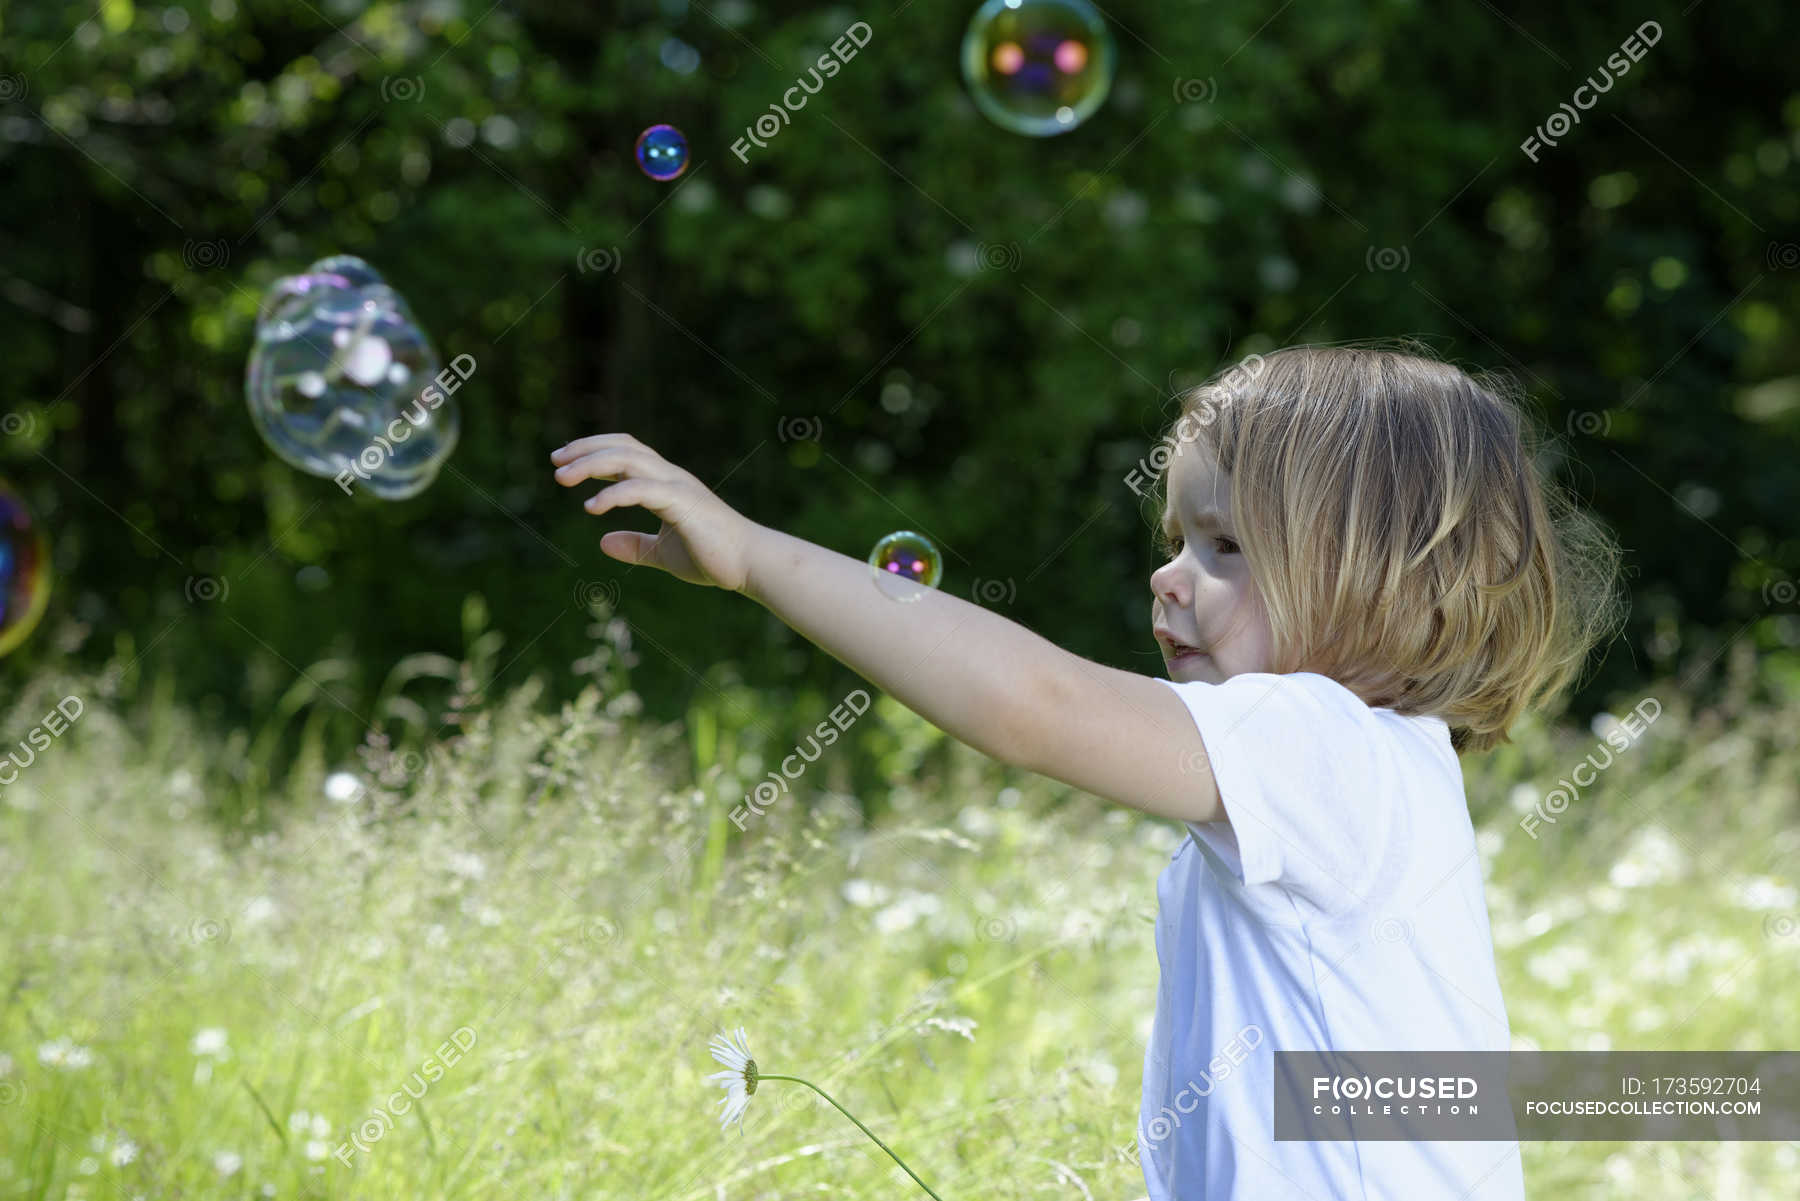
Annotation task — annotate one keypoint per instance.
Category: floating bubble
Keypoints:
(348, 267)
(662, 152)
(24, 570)
(340, 380)
(1037, 67)
(902, 559)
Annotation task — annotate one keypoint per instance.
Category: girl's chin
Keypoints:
(1192, 663)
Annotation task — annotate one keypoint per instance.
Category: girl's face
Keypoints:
(1207, 614)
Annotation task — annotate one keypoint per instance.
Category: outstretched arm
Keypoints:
(986, 681)
(961, 667)
(990, 682)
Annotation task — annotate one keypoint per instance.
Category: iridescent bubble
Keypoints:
(348, 267)
(662, 152)
(340, 381)
(1037, 67)
(24, 570)
(903, 559)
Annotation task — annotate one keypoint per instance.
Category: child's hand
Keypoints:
(703, 540)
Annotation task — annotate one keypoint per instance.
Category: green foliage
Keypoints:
(202, 1009)
(986, 328)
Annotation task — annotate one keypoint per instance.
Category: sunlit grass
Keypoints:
(555, 917)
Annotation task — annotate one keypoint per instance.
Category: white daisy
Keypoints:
(64, 1054)
(342, 787)
(864, 894)
(209, 1041)
(957, 1025)
(739, 1082)
(258, 911)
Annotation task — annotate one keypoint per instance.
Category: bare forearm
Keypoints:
(961, 667)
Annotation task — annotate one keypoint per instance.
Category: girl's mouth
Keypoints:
(1177, 651)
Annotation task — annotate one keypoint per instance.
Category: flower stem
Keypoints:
(859, 1126)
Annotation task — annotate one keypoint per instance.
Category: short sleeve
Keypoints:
(1292, 759)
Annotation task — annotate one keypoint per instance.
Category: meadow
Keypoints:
(490, 963)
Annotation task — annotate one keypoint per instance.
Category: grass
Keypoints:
(547, 916)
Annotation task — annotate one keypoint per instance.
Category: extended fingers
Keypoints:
(581, 446)
(610, 462)
(654, 495)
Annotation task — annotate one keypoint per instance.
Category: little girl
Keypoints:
(1367, 577)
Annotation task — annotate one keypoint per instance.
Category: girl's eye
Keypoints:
(1224, 545)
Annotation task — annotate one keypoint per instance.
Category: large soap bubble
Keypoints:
(1037, 67)
(340, 381)
(24, 570)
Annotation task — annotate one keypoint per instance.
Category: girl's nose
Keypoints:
(1169, 586)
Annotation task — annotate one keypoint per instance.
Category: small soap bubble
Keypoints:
(902, 559)
(1037, 67)
(24, 570)
(662, 152)
(329, 381)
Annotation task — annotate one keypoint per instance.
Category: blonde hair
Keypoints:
(1402, 535)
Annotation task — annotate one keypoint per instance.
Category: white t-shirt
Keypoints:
(1339, 908)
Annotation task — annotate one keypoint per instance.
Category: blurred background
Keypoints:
(886, 311)
(895, 316)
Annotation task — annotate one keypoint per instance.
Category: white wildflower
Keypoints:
(258, 911)
(738, 1081)
(210, 1041)
(864, 894)
(342, 787)
(64, 1055)
(1763, 892)
(962, 1026)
